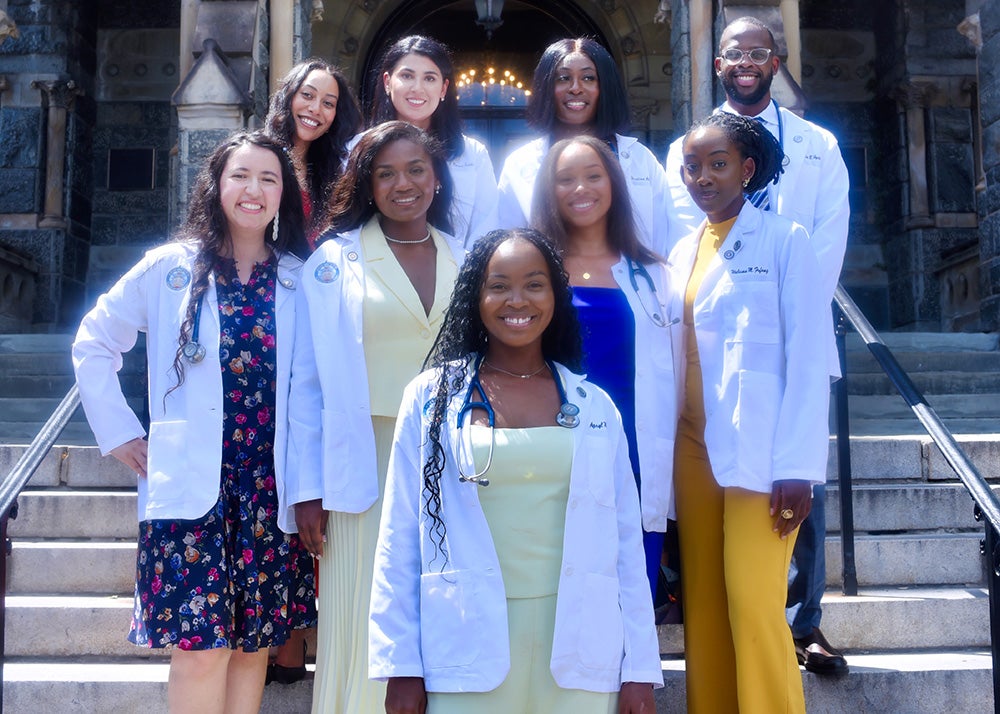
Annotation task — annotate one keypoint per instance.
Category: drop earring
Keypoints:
(274, 228)
(746, 182)
(437, 189)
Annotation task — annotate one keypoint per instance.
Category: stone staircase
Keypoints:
(916, 637)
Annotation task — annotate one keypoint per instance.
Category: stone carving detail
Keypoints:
(57, 92)
(316, 15)
(914, 94)
(7, 27)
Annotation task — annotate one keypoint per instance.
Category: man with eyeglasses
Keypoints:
(811, 191)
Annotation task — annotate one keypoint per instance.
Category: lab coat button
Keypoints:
(574, 503)
(569, 570)
(425, 333)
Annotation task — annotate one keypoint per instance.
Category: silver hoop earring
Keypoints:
(274, 228)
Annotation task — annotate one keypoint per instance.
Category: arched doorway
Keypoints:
(513, 50)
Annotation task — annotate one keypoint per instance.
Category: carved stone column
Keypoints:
(914, 98)
(282, 29)
(58, 96)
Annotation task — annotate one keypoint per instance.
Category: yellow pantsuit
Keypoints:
(738, 648)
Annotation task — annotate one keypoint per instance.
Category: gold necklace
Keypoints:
(515, 374)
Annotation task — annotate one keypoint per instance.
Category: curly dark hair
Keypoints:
(462, 340)
(446, 122)
(326, 155)
(753, 140)
(622, 234)
(353, 203)
(206, 226)
(613, 113)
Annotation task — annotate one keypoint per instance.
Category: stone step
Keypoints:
(915, 683)
(958, 406)
(129, 684)
(76, 433)
(878, 683)
(899, 507)
(901, 559)
(75, 514)
(905, 618)
(38, 409)
(910, 426)
(50, 626)
(108, 567)
(71, 466)
(916, 362)
(930, 341)
(35, 343)
(76, 567)
(929, 383)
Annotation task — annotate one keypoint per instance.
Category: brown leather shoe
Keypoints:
(818, 655)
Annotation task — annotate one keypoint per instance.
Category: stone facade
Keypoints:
(102, 131)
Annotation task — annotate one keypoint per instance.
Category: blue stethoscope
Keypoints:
(194, 351)
(654, 312)
(567, 416)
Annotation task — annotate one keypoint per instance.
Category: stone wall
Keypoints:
(989, 203)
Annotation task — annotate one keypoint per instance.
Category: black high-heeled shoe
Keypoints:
(286, 675)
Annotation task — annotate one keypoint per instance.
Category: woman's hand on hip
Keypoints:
(791, 502)
(134, 454)
(310, 518)
(636, 698)
(405, 695)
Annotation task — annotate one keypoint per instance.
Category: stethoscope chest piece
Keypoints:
(193, 352)
(568, 416)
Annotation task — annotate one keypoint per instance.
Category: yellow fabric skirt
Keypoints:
(345, 582)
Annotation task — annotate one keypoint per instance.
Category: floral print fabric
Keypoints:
(231, 578)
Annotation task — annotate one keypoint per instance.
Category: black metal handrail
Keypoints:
(15, 482)
(987, 506)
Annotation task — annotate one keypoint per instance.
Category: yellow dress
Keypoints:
(737, 645)
(525, 506)
(397, 337)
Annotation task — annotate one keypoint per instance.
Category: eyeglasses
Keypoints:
(758, 55)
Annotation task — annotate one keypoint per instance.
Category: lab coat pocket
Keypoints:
(599, 464)
(757, 419)
(602, 638)
(753, 312)
(450, 635)
(169, 446)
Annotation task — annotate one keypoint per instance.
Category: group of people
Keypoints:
(364, 351)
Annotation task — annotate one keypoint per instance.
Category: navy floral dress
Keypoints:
(231, 578)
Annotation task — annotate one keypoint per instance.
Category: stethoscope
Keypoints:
(193, 350)
(568, 416)
(655, 313)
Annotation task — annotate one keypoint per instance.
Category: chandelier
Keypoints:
(490, 87)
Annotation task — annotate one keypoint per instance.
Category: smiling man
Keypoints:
(812, 191)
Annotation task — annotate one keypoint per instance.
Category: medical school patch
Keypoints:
(178, 278)
(326, 272)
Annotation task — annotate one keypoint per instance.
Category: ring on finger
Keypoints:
(787, 514)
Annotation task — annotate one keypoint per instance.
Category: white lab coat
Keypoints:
(475, 196)
(647, 187)
(761, 325)
(331, 443)
(185, 433)
(656, 390)
(812, 191)
(447, 621)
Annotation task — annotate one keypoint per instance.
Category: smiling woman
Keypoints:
(576, 91)
(372, 302)
(218, 310)
(483, 492)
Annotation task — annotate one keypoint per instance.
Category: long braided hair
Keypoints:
(206, 228)
(462, 340)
